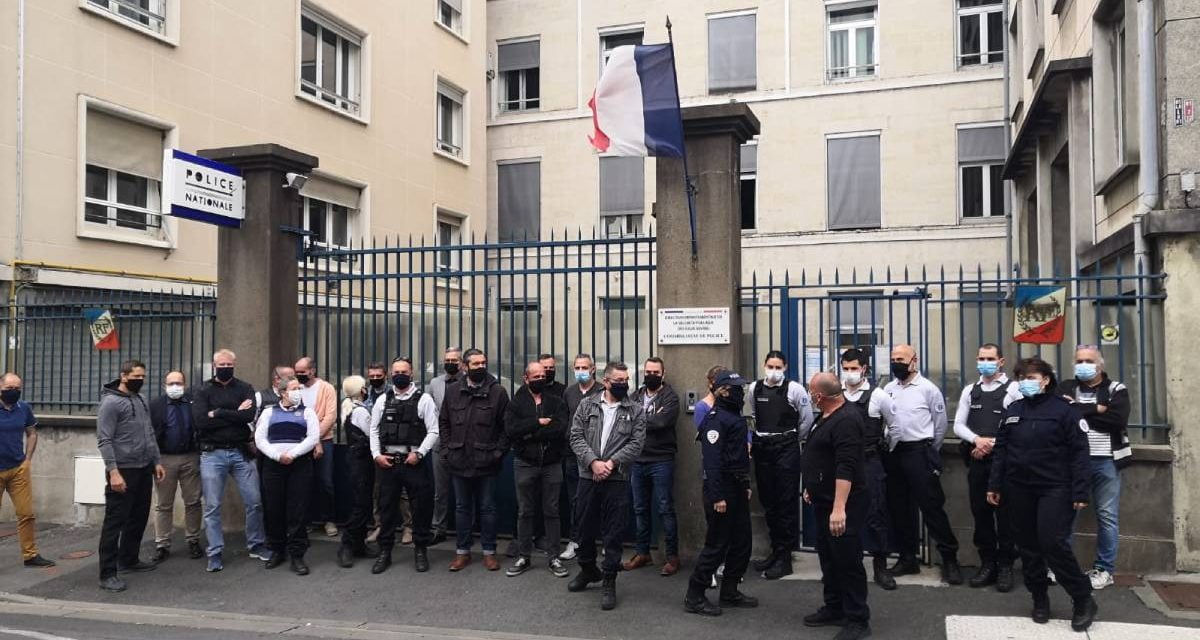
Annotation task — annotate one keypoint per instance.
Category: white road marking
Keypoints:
(36, 635)
(1013, 628)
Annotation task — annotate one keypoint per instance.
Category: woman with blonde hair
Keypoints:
(356, 424)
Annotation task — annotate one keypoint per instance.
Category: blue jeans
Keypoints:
(467, 492)
(215, 466)
(321, 507)
(654, 481)
(1106, 500)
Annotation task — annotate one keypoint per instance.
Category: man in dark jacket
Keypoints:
(536, 423)
(550, 366)
(471, 427)
(171, 416)
(222, 409)
(653, 473)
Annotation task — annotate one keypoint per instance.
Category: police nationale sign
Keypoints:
(199, 189)
(693, 325)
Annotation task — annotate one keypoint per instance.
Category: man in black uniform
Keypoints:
(726, 500)
(834, 485)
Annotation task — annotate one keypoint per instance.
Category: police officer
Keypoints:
(875, 407)
(726, 500)
(782, 416)
(1041, 471)
(356, 424)
(980, 409)
(404, 430)
(286, 435)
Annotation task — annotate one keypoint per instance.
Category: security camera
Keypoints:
(294, 181)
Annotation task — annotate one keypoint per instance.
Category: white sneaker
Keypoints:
(1100, 578)
(1050, 577)
(569, 552)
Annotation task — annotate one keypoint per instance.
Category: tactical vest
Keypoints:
(355, 438)
(872, 427)
(772, 411)
(287, 425)
(401, 425)
(987, 409)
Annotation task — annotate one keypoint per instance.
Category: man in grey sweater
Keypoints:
(126, 441)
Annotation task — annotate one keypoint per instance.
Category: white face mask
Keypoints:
(174, 391)
(294, 397)
(774, 376)
(851, 378)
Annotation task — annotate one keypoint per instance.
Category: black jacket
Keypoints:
(832, 452)
(533, 442)
(229, 427)
(555, 388)
(1042, 444)
(661, 416)
(471, 428)
(1115, 419)
(158, 419)
(725, 460)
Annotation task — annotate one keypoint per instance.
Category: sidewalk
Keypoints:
(532, 604)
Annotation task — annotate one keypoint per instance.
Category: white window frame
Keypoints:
(502, 84)
(457, 224)
(853, 71)
(458, 23)
(306, 219)
(354, 104)
(982, 15)
(153, 206)
(163, 13)
(757, 61)
(165, 236)
(449, 148)
(986, 168)
(623, 30)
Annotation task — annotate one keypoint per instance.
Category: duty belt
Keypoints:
(789, 432)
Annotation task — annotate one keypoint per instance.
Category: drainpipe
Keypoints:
(1147, 128)
(1008, 185)
(19, 237)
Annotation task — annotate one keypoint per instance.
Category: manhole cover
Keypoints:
(75, 555)
(1181, 596)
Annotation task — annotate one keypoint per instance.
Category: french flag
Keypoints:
(635, 108)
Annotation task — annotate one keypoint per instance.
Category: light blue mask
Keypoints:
(1085, 370)
(987, 368)
(1029, 388)
(582, 376)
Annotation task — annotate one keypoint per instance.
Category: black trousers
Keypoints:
(914, 471)
(287, 489)
(876, 530)
(777, 472)
(602, 511)
(1042, 520)
(728, 538)
(843, 578)
(993, 532)
(571, 486)
(362, 514)
(125, 516)
(417, 481)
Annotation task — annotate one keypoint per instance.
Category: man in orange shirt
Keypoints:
(321, 397)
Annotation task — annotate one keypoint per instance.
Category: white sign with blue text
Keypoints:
(203, 190)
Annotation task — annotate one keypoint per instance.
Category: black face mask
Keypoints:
(377, 383)
(451, 368)
(224, 374)
(401, 380)
(477, 375)
(733, 401)
(10, 396)
(134, 385)
(900, 370)
(549, 375)
(537, 386)
(302, 378)
(653, 381)
(619, 390)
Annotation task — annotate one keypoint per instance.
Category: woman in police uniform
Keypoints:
(1041, 473)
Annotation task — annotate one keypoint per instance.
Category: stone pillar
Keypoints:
(1181, 261)
(257, 310)
(713, 135)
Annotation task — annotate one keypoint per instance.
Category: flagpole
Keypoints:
(688, 186)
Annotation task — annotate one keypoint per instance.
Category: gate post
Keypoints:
(257, 311)
(712, 278)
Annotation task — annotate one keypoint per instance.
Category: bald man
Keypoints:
(914, 468)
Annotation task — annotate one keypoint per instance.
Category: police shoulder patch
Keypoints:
(1012, 419)
(1083, 425)
(713, 435)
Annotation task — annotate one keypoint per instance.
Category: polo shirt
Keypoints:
(13, 423)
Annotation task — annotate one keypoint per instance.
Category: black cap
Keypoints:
(729, 378)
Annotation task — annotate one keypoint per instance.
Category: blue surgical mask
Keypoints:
(1029, 388)
(987, 368)
(1085, 370)
(583, 376)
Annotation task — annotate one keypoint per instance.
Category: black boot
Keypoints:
(382, 562)
(608, 592)
(277, 559)
(345, 557)
(421, 559)
(986, 575)
(781, 568)
(1084, 613)
(1041, 608)
(951, 572)
(905, 566)
(1004, 578)
(588, 574)
(696, 602)
(299, 566)
(763, 564)
(731, 597)
(883, 577)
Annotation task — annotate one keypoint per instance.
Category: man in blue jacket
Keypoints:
(171, 417)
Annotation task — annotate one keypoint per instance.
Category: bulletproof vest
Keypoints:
(287, 425)
(401, 425)
(354, 437)
(772, 411)
(872, 427)
(987, 409)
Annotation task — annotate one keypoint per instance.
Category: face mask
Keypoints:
(174, 391)
(377, 383)
(733, 401)
(653, 382)
(1029, 388)
(477, 375)
(302, 378)
(774, 376)
(900, 370)
(294, 397)
(401, 380)
(851, 378)
(550, 374)
(10, 396)
(537, 386)
(582, 376)
(987, 368)
(224, 374)
(1085, 370)
(451, 368)
(619, 390)
(134, 384)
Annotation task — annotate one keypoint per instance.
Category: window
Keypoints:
(622, 195)
(749, 184)
(1112, 88)
(613, 39)
(980, 32)
(857, 319)
(449, 234)
(450, 120)
(732, 59)
(1032, 237)
(853, 48)
(622, 340)
(147, 14)
(519, 75)
(330, 211)
(981, 153)
(123, 173)
(330, 62)
(519, 199)
(450, 15)
(853, 187)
